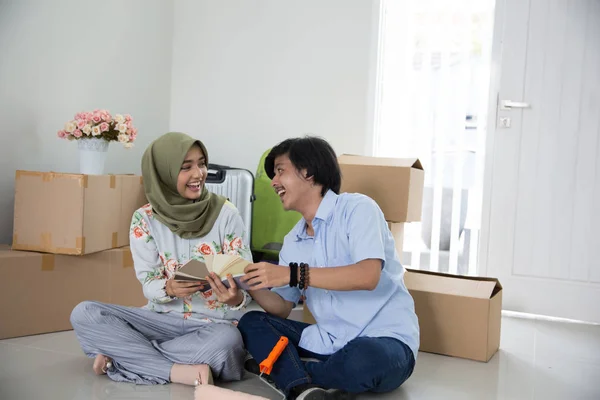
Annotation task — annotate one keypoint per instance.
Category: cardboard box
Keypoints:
(458, 315)
(74, 213)
(396, 184)
(39, 291)
(397, 229)
(307, 315)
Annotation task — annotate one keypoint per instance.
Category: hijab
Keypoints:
(161, 164)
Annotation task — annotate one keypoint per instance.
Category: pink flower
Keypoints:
(96, 118)
(62, 134)
(138, 232)
(236, 243)
(89, 117)
(205, 249)
(81, 123)
(148, 210)
(172, 265)
(128, 118)
(104, 127)
(77, 133)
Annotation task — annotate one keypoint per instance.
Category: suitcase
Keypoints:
(270, 222)
(238, 186)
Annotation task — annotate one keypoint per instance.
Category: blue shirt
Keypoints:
(349, 228)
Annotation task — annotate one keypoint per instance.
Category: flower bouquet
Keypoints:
(99, 124)
(94, 131)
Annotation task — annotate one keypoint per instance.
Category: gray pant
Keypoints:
(144, 345)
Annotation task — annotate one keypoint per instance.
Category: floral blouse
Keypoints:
(158, 253)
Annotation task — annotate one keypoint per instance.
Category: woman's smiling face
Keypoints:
(192, 175)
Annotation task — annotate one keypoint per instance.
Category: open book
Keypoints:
(220, 264)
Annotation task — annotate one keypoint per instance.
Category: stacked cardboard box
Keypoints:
(39, 290)
(70, 244)
(396, 184)
(74, 213)
(458, 316)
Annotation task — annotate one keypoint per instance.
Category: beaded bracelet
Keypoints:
(293, 274)
(303, 276)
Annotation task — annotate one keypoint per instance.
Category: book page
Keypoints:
(235, 267)
(219, 261)
(208, 260)
(193, 269)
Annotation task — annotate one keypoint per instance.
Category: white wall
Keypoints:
(249, 74)
(61, 57)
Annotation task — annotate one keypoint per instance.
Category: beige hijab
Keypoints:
(161, 164)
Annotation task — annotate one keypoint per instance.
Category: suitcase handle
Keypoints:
(216, 173)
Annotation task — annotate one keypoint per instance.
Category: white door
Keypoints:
(541, 212)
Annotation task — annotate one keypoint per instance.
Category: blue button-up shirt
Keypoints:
(349, 228)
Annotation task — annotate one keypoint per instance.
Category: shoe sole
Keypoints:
(331, 394)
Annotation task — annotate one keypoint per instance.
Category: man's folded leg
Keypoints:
(261, 331)
(365, 364)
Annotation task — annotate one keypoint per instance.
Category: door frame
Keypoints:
(491, 132)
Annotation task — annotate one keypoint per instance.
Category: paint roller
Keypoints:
(214, 392)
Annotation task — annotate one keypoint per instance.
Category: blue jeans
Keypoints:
(376, 364)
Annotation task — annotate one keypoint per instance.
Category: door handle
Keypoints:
(509, 105)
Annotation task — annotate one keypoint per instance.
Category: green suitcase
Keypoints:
(270, 222)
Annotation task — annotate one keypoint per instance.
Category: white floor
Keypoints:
(537, 360)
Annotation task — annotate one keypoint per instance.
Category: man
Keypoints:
(366, 337)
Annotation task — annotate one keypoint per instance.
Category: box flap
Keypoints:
(457, 285)
(350, 159)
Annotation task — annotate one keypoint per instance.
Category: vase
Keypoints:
(92, 155)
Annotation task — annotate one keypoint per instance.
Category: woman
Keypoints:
(186, 332)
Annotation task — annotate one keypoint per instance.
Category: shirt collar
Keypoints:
(325, 210)
(324, 213)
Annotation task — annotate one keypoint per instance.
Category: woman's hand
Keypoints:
(265, 275)
(228, 295)
(182, 288)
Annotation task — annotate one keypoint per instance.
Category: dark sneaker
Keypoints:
(316, 393)
(252, 366)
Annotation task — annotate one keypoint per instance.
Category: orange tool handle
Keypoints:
(267, 365)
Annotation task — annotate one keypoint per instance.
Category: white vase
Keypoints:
(92, 155)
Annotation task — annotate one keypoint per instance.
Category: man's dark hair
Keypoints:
(313, 154)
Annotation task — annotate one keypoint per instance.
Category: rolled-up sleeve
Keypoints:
(365, 232)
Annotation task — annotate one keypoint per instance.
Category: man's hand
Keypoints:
(181, 289)
(230, 296)
(265, 275)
